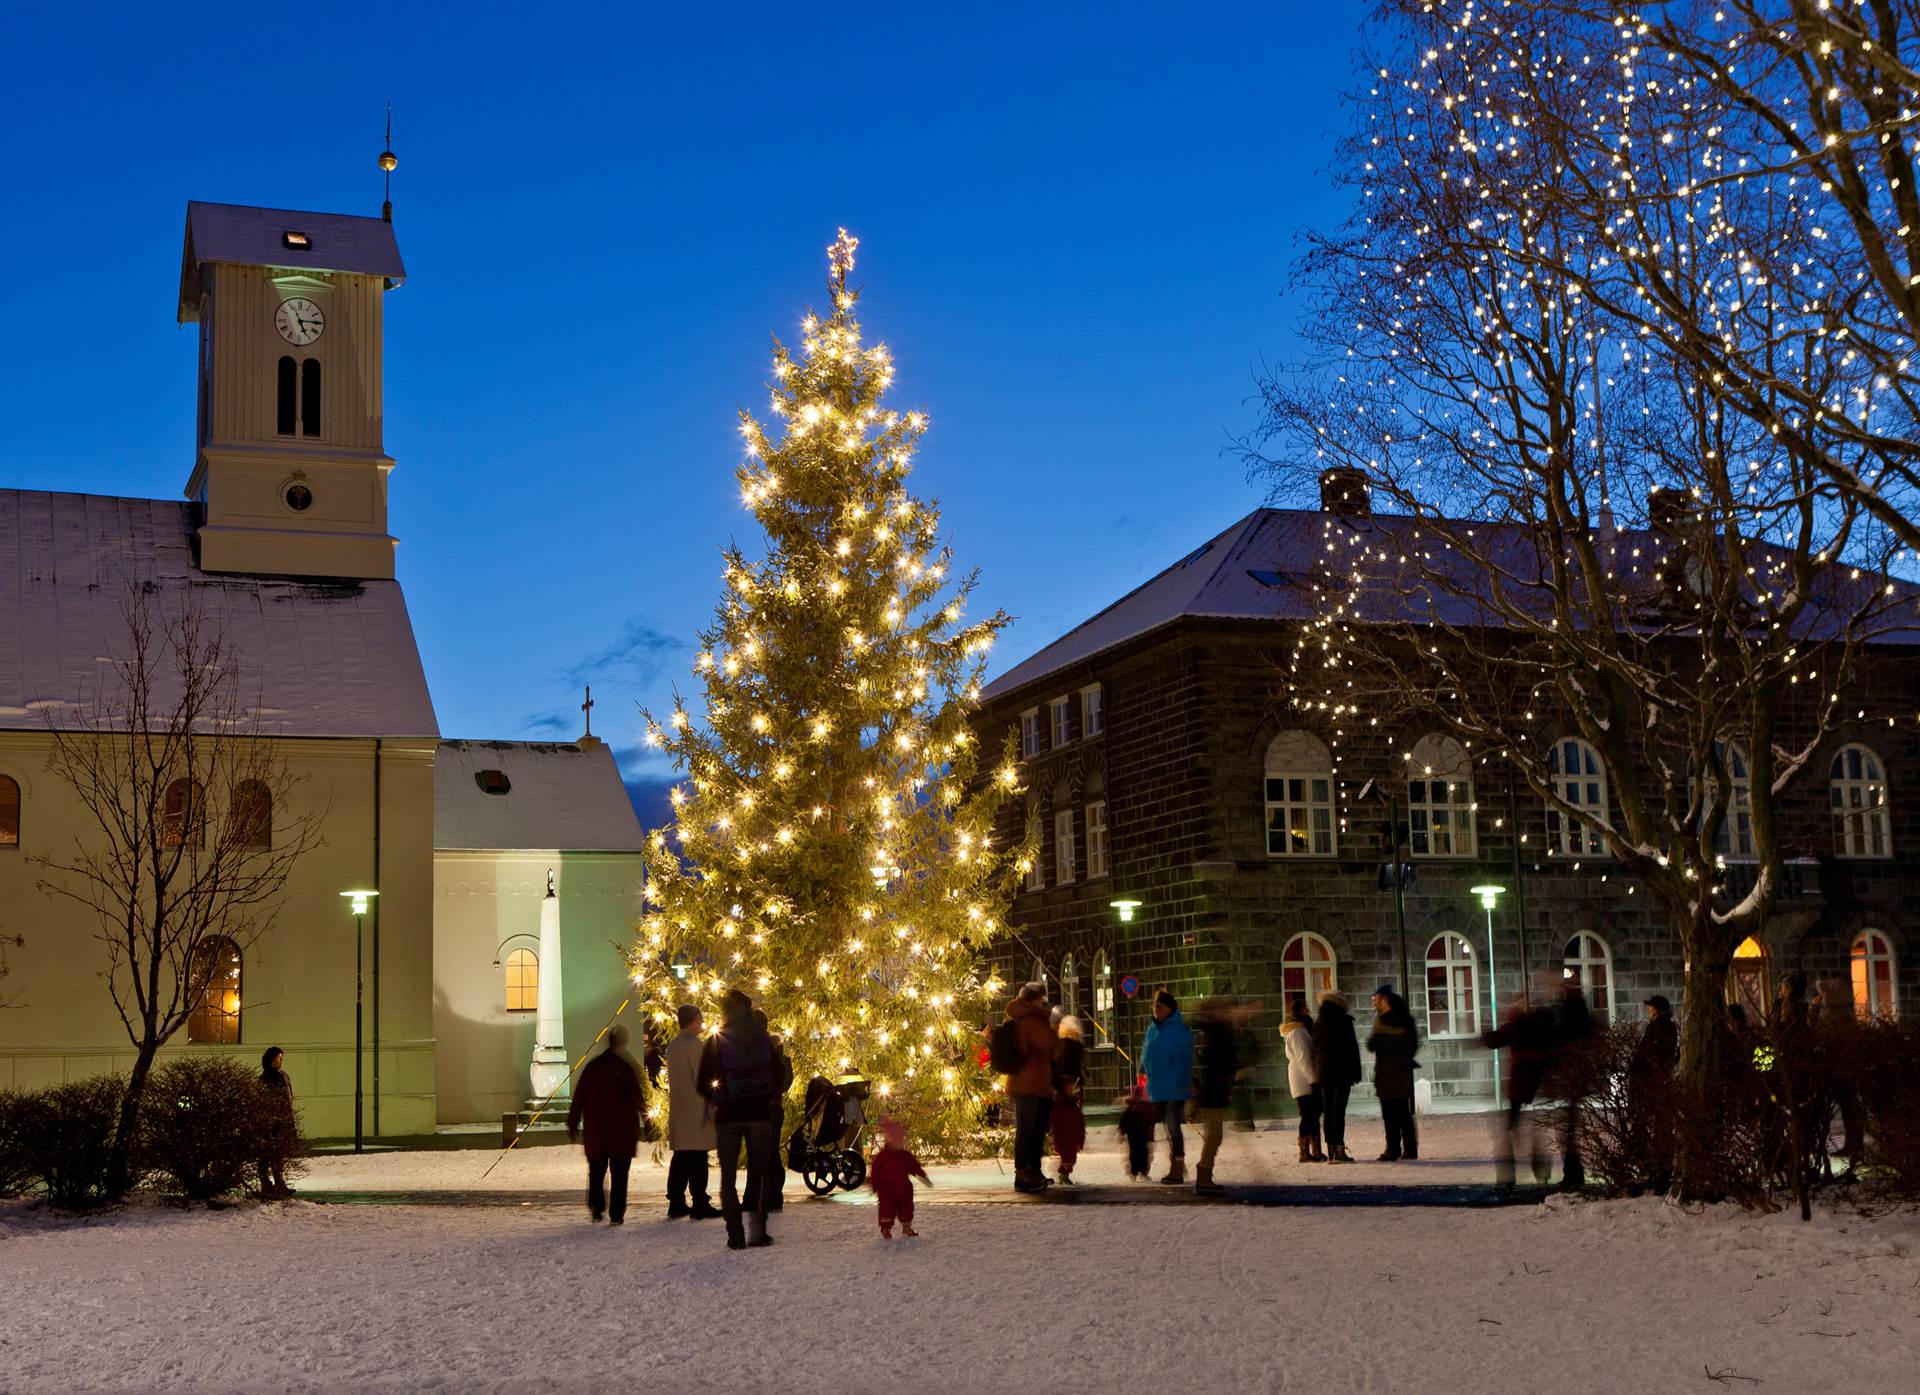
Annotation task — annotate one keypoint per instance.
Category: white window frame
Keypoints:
(1063, 848)
(1861, 826)
(1444, 827)
(1734, 840)
(1030, 733)
(1583, 952)
(1316, 956)
(1103, 1001)
(1096, 838)
(1036, 869)
(1457, 961)
(1093, 710)
(1059, 723)
(508, 986)
(1069, 986)
(1302, 790)
(1870, 949)
(1584, 790)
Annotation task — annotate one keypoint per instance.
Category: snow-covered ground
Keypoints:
(526, 1295)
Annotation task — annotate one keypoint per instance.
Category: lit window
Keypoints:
(1735, 836)
(1057, 719)
(492, 781)
(1036, 871)
(1030, 732)
(252, 814)
(9, 812)
(296, 242)
(1307, 969)
(523, 980)
(1873, 975)
(1750, 979)
(1580, 780)
(1097, 838)
(1299, 797)
(1103, 1000)
(1858, 790)
(1453, 988)
(182, 816)
(1440, 799)
(1093, 710)
(1063, 847)
(1069, 987)
(1588, 963)
(214, 989)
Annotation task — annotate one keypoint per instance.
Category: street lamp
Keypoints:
(1125, 909)
(358, 909)
(1490, 895)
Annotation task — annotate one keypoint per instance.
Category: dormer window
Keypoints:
(492, 781)
(296, 242)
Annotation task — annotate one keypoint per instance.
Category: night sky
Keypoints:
(1075, 223)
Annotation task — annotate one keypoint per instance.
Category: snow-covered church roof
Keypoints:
(315, 658)
(531, 794)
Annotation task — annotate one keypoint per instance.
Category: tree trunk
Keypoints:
(119, 1178)
(1701, 1082)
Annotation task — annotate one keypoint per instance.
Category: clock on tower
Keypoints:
(290, 470)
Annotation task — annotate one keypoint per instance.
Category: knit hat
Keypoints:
(1658, 1002)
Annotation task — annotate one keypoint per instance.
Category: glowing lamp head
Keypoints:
(1489, 894)
(359, 899)
(1126, 908)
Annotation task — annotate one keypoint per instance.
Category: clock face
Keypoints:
(299, 321)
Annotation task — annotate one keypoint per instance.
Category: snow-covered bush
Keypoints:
(67, 1134)
(16, 1165)
(207, 1127)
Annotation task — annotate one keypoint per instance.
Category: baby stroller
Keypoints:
(825, 1149)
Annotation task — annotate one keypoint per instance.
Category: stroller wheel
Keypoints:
(850, 1168)
(818, 1174)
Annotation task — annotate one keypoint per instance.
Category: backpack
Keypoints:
(1004, 1052)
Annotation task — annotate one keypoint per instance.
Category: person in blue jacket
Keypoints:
(1167, 1060)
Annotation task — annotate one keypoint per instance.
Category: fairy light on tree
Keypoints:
(832, 852)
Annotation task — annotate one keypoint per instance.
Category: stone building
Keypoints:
(1164, 769)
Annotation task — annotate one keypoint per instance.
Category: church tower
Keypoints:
(290, 469)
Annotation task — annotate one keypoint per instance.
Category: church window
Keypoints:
(310, 397)
(1307, 969)
(9, 812)
(492, 781)
(1453, 988)
(1858, 790)
(1872, 962)
(182, 814)
(1103, 1001)
(523, 980)
(214, 988)
(1299, 797)
(287, 406)
(1097, 838)
(1588, 964)
(1440, 799)
(1070, 986)
(253, 814)
(1580, 780)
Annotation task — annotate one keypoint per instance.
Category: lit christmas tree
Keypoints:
(831, 849)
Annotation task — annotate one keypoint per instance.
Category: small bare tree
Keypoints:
(191, 828)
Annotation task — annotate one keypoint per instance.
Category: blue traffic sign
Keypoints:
(1130, 985)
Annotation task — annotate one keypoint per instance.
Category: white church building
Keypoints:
(282, 543)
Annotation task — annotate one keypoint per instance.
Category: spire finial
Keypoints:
(388, 163)
(587, 707)
(840, 257)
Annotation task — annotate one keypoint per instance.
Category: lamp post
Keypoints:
(360, 904)
(1489, 894)
(1124, 907)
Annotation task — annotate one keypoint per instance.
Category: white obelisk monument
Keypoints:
(550, 1031)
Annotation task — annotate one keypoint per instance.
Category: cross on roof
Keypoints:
(587, 708)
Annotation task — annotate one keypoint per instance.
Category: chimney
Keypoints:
(1343, 490)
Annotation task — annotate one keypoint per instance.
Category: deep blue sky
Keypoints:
(1075, 227)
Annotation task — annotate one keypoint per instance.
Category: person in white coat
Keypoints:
(689, 1123)
(1302, 1084)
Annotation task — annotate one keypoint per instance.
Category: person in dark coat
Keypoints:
(1529, 1038)
(1650, 1094)
(277, 1085)
(776, 1115)
(1068, 1119)
(1394, 1040)
(1219, 1069)
(1566, 1078)
(608, 1097)
(1030, 1087)
(1137, 1118)
(738, 1071)
(1336, 1066)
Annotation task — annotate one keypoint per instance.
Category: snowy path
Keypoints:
(1599, 1297)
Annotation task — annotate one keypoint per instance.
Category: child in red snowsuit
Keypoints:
(891, 1175)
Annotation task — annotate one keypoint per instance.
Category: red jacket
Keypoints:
(608, 1094)
(1035, 1076)
(892, 1171)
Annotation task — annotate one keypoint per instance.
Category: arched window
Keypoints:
(1750, 980)
(1579, 779)
(1299, 797)
(9, 812)
(213, 985)
(183, 820)
(1735, 838)
(1439, 798)
(1307, 969)
(1102, 1000)
(286, 400)
(1858, 790)
(1873, 976)
(1069, 986)
(310, 397)
(253, 814)
(523, 980)
(1453, 988)
(1589, 963)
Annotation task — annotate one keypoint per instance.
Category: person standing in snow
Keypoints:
(277, 1085)
(1219, 1041)
(891, 1174)
(737, 1073)
(1030, 1086)
(1167, 1059)
(776, 1115)
(1336, 1066)
(1650, 1094)
(1068, 1118)
(689, 1122)
(609, 1098)
(1297, 1032)
(1136, 1130)
(1393, 1041)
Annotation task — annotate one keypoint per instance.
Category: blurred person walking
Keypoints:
(1024, 1049)
(608, 1098)
(1068, 1118)
(1394, 1040)
(1529, 1037)
(689, 1122)
(1567, 1078)
(1297, 1032)
(737, 1076)
(1336, 1066)
(1219, 1042)
(1167, 1059)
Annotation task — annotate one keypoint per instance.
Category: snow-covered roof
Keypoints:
(556, 795)
(284, 237)
(315, 658)
(1266, 565)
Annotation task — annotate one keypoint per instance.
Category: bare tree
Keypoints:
(1590, 533)
(193, 825)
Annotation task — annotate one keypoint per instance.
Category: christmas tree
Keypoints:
(831, 851)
